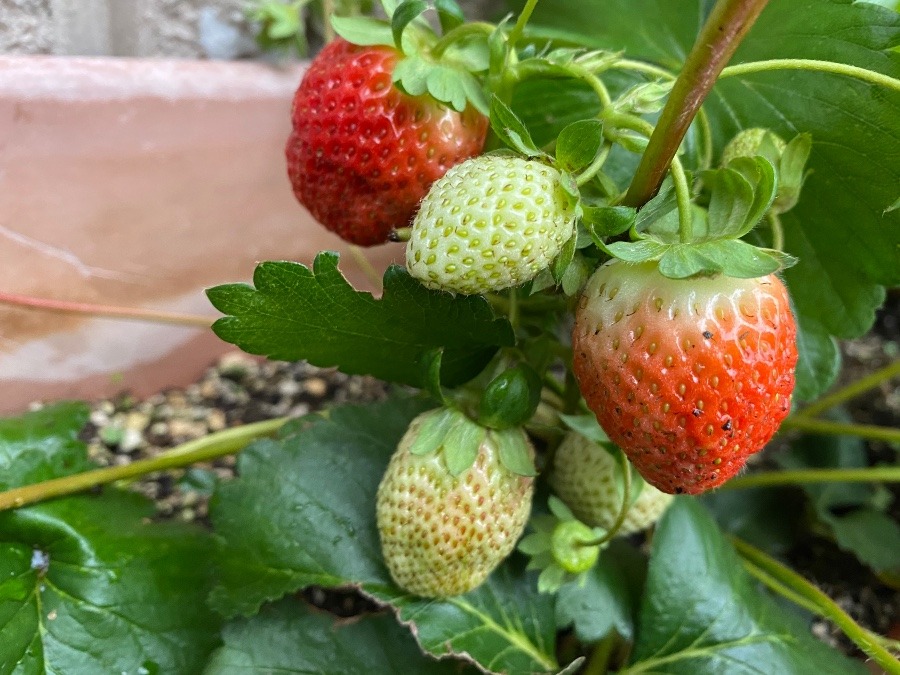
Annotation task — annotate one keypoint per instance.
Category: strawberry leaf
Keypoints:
(296, 313)
(510, 129)
(362, 30)
(268, 643)
(89, 584)
(578, 144)
(701, 612)
(404, 14)
(846, 243)
(316, 489)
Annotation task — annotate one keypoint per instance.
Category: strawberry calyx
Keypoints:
(449, 69)
(560, 546)
(458, 438)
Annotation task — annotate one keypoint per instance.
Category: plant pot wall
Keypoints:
(137, 182)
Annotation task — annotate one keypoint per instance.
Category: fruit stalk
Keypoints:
(805, 476)
(851, 391)
(869, 431)
(210, 447)
(826, 606)
(723, 31)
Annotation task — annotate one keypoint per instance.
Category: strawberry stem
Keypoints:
(868, 431)
(875, 474)
(105, 311)
(209, 447)
(851, 391)
(812, 596)
(459, 34)
(623, 510)
(595, 166)
(516, 33)
(728, 23)
(813, 65)
(777, 230)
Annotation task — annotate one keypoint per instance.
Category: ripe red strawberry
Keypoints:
(443, 534)
(362, 153)
(689, 377)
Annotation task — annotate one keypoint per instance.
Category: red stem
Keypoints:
(723, 31)
(105, 311)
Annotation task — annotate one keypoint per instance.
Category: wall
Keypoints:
(176, 28)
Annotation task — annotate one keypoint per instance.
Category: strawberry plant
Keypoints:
(633, 234)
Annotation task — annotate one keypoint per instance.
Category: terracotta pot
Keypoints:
(137, 182)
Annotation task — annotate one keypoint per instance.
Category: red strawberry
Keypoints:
(362, 153)
(689, 377)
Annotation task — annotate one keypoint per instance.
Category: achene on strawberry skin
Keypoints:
(688, 377)
(362, 153)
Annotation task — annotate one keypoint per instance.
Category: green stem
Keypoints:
(365, 266)
(203, 449)
(869, 431)
(327, 13)
(851, 391)
(595, 166)
(875, 474)
(777, 231)
(459, 34)
(513, 313)
(598, 662)
(105, 311)
(516, 33)
(623, 510)
(683, 198)
(593, 81)
(832, 67)
(826, 606)
(720, 36)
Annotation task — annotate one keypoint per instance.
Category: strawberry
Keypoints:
(362, 153)
(689, 377)
(490, 223)
(443, 534)
(588, 479)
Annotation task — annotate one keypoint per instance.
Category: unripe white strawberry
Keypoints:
(588, 478)
(490, 223)
(443, 534)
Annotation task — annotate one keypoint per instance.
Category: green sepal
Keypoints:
(514, 450)
(640, 251)
(559, 509)
(471, 54)
(607, 221)
(568, 551)
(578, 144)
(431, 365)
(562, 261)
(404, 14)
(792, 172)
(732, 257)
(551, 579)
(362, 30)
(432, 431)
(731, 201)
(511, 398)
(576, 275)
(645, 98)
(498, 49)
(462, 443)
(587, 426)
(449, 14)
(511, 130)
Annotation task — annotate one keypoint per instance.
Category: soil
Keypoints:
(240, 389)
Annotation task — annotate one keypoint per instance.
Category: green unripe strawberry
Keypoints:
(443, 534)
(588, 478)
(490, 223)
(753, 142)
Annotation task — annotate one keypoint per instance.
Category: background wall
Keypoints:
(179, 28)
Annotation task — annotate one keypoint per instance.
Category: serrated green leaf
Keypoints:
(871, 536)
(820, 359)
(893, 207)
(363, 30)
(411, 75)
(510, 129)
(771, 519)
(317, 491)
(406, 12)
(607, 597)
(848, 247)
(445, 85)
(270, 642)
(88, 584)
(578, 144)
(449, 14)
(296, 313)
(702, 614)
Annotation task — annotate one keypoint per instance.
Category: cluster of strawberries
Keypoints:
(688, 377)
